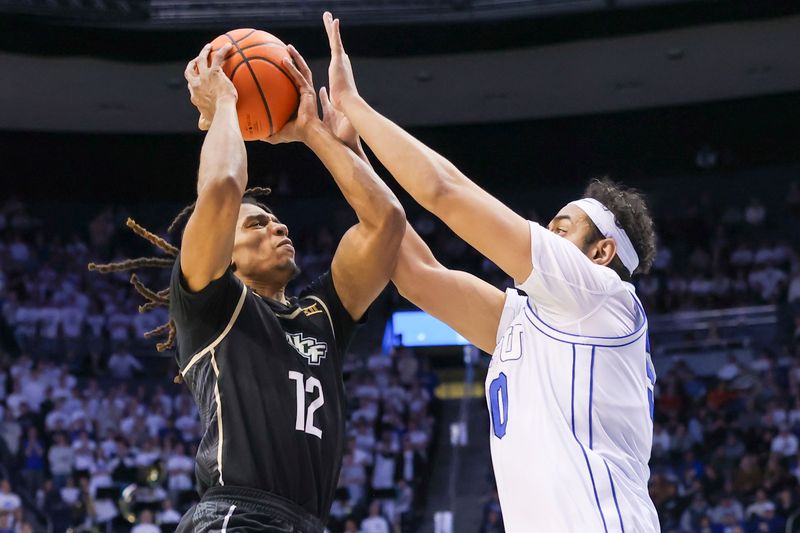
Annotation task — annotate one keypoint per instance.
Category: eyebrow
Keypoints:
(559, 218)
(250, 218)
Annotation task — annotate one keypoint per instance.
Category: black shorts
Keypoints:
(243, 510)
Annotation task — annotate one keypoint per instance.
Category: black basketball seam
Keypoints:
(258, 85)
(244, 37)
(274, 65)
(227, 57)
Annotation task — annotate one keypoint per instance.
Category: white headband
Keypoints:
(605, 221)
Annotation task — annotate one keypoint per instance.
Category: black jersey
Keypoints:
(267, 379)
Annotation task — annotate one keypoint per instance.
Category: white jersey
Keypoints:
(570, 396)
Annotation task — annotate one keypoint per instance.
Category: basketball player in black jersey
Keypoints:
(264, 368)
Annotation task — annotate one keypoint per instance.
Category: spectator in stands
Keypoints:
(180, 469)
(693, 516)
(60, 457)
(168, 515)
(145, 523)
(10, 503)
(730, 370)
(122, 364)
(767, 521)
(375, 522)
(33, 459)
(785, 443)
(728, 512)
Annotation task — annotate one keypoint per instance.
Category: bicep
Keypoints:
(487, 224)
(464, 302)
(363, 264)
(207, 243)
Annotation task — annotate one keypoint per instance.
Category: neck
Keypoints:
(274, 291)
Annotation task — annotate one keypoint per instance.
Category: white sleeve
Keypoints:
(564, 285)
(514, 303)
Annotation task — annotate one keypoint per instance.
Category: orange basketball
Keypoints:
(267, 96)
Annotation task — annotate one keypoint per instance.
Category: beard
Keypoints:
(291, 270)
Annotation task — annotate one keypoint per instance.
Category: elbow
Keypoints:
(440, 188)
(391, 223)
(395, 219)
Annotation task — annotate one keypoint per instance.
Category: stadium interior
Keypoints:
(695, 102)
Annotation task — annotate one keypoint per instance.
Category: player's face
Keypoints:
(572, 224)
(262, 248)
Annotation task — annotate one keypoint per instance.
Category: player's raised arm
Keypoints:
(209, 235)
(476, 216)
(366, 255)
(462, 301)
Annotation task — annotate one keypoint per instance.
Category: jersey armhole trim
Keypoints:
(327, 313)
(586, 340)
(222, 335)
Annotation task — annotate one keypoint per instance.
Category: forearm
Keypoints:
(422, 172)
(208, 238)
(413, 255)
(223, 156)
(467, 304)
(371, 199)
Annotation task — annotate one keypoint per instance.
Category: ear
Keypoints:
(604, 252)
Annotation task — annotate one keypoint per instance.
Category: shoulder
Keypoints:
(319, 297)
(321, 294)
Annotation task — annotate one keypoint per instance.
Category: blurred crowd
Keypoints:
(712, 256)
(93, 435)
(84, 409)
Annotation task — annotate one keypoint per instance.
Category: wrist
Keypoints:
(315, 132)
(349, 100)
(226, 99)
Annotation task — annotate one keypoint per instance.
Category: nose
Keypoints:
(280, 229)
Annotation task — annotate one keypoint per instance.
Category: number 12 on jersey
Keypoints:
(305, 418)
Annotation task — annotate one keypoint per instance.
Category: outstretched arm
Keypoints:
(462, 301)
(366, 255)
(476, 216)
(207, 242)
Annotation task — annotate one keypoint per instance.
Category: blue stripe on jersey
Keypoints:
(614, 493)
(572, 405)
(651, 375)
(591, 389)
(639, 329)
(546, 334)
(585, 456)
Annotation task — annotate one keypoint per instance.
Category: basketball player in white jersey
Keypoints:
(570, 382)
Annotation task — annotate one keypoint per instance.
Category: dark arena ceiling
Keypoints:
(162, 30)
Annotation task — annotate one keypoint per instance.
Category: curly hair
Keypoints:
(161, 298)
(632, 214)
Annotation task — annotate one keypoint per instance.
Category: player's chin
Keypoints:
(290, 267)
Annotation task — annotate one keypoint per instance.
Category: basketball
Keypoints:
(267, 95)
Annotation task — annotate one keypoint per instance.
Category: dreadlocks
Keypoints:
(161, 298)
